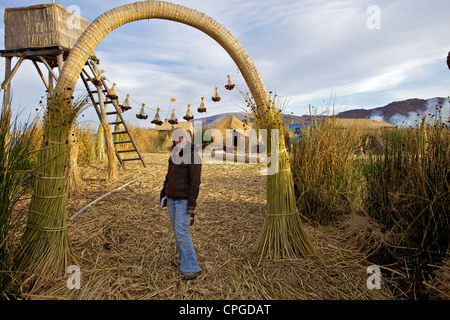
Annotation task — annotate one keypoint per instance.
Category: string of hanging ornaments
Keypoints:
(141, 115)
(157, 120)
(112, 94)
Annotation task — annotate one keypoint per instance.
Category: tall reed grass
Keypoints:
(408, 192)
(17, 162)
(326, 176)
(149, 140)
(85, 137)
(404, 188)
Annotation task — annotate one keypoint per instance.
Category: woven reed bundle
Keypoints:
(119, 16)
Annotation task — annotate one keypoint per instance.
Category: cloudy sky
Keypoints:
(342, 54)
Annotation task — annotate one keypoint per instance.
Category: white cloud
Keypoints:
(305, 50)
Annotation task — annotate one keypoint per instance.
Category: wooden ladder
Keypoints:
(87, 76)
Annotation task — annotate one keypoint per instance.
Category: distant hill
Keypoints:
(396, 112)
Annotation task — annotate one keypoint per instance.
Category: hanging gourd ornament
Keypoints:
(142, 114)
(157, 119)
(173, 119)
(202, 107)
(188, 115)
(230, 85)
(112, 93)
(216, 97)
(126, 104)
(97, 81)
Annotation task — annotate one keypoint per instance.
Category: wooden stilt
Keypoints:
(41, 74)
(6, 109)
(7, 89)
(12, 73)
(50, 70)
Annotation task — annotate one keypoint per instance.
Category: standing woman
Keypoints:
(179, 193)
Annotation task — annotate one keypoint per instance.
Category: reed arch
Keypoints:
(119, 16)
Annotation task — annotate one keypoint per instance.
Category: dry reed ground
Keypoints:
(124, 243)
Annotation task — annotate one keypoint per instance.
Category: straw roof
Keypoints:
(384, 125)
(231, 122)
(43, 25)
(362, 124)
(185, 125)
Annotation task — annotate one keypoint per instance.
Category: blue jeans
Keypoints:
(179, 218)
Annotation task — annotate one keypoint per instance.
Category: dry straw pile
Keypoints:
(124, 244)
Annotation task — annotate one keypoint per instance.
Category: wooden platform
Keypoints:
(50, 54)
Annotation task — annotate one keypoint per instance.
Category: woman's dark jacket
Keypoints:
(183, 180)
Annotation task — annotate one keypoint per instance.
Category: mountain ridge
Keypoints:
(396, 112)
